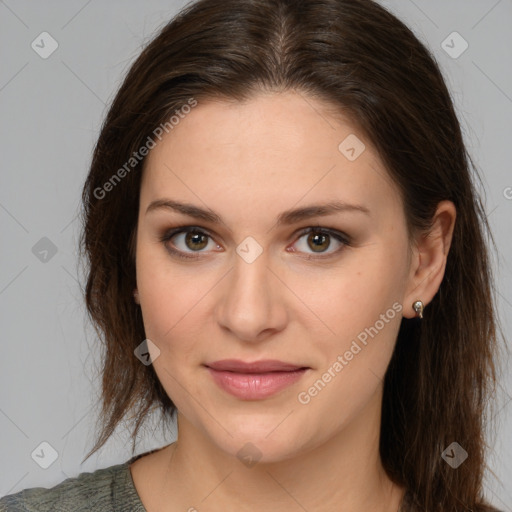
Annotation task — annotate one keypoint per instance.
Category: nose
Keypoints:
(252, 302)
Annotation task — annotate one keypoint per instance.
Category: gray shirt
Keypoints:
(105, 490)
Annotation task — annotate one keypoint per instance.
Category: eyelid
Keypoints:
(178, 230)
(340, 236)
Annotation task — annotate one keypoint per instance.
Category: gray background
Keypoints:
(51, 110)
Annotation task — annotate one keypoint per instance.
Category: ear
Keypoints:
(136, 296)
(428, 261)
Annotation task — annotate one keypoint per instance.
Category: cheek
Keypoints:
(353, 369)
(361, 306)
(353, 296)
(170, 299)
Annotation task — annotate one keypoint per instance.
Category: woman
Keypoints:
(277, 221)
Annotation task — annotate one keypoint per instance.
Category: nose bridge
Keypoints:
(251, 302)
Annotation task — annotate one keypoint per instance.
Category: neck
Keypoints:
(343, 473)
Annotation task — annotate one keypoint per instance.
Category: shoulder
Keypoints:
(104, 490)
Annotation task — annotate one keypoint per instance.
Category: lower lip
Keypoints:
(255, 386)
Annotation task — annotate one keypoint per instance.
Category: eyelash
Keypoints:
(341, 237)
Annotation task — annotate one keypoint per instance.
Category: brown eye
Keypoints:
(183, 242)
(318, 241)
(195, 240)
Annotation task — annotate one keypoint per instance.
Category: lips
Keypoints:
(256, 380)
(268, 365)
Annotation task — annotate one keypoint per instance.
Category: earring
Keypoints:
(136, 296)
(418, 307)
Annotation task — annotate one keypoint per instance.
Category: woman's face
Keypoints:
(323, 293)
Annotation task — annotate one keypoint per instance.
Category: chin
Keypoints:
(251, 450)
(270, 443)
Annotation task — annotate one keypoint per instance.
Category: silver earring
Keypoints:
(418, 307)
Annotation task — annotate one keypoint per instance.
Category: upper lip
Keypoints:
(267, 365)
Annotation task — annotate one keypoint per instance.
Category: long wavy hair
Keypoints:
(371, 68)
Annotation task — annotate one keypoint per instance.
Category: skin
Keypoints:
(248, 162)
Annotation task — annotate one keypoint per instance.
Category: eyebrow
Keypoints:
(285, 218)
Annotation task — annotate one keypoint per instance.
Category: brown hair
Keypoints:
(370, 67)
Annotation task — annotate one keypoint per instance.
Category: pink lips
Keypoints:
(254, 381)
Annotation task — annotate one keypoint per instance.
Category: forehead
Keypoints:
(274, 149)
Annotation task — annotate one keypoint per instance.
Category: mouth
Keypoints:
(254, 380)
